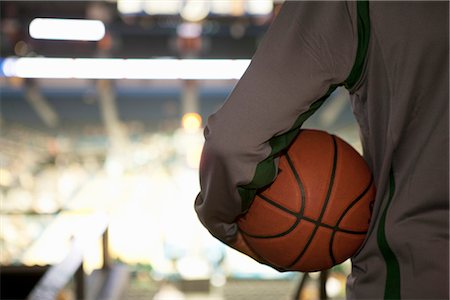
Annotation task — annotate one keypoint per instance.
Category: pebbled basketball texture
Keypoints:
(317, 211)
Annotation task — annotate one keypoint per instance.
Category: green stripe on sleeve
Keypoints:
(266, 171)
(362, 8)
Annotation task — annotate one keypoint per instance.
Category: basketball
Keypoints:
(317, 211)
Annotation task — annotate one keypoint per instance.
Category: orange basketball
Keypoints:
(317, 212)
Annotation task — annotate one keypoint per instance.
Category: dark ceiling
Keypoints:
(138, 36)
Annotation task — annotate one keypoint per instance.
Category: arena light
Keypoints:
(195, 10)
(129, 6)
(221, 7)
(261, 7)
(109, 68)
(157, 7)
(191, 122)
(67, 29)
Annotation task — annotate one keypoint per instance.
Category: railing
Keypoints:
(59, 275)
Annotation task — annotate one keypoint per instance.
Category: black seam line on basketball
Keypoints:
(330, 187)
(302, 192)
(343, 215)
(297, 220)
(334, 228)
(299, 183)
(259, 258)
(354, 202)
(298, 215)
(301, 216)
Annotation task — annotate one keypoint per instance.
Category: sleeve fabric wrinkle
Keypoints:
(298, 60)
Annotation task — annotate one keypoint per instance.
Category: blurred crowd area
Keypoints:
(52, 179)
(145, 187)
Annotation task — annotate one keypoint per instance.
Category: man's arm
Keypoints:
(309, 47)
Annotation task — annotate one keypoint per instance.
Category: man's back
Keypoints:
(401, 105)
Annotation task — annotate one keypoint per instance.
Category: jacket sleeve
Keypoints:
(309, 48)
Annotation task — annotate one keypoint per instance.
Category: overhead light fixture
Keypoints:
(191, 122)
(158, 7)
(67, 29)
(195, 10)
(129, 6)
(260, 7)
(221, 7)
(112, 68)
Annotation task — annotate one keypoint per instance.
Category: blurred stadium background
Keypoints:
(101, 136)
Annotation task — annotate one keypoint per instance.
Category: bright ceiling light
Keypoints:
(159, 7)
(112, 68)
(129, 6)
(195, 10)
(191, 122)
(221, 7)
(67, 29)
(260, 7)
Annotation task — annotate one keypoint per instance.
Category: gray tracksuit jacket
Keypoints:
(393, 58)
